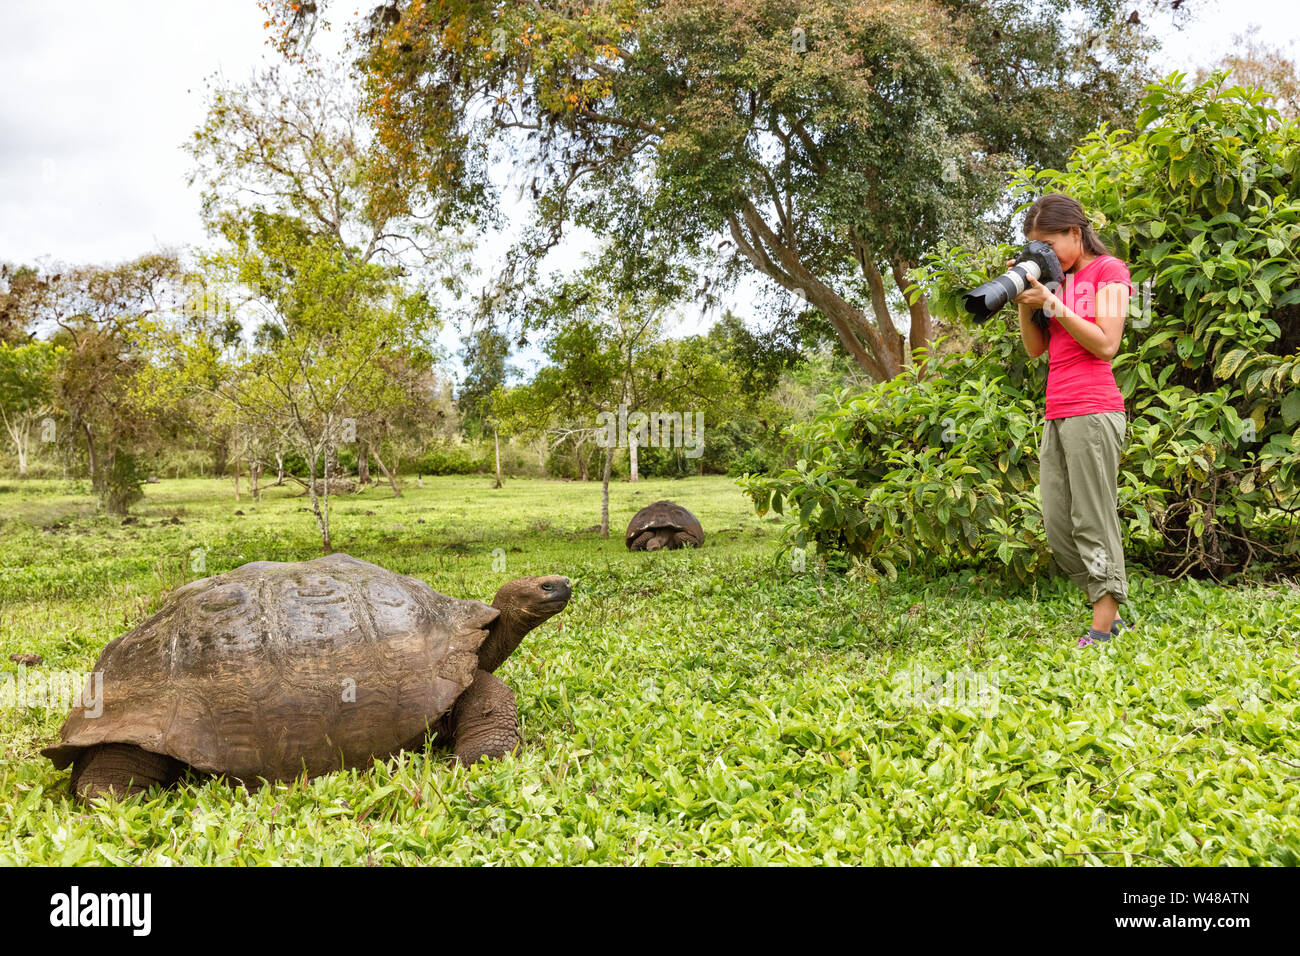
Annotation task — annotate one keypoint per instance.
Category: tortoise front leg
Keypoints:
(483, 721)
(124, 768)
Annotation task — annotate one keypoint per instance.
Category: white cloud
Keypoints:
(96, 103)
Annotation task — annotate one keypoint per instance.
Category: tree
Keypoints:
(564, 397)
(101, 317)
(595, 358)
(27, 376)
(24, 290)
(411, 411)
(288, 167)
(826, 143)
(295, 142)
(485, 355)
(334, 330)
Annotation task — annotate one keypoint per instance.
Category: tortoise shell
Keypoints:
(277, 668)
(664, 516)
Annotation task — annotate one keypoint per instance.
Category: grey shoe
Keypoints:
(1094, 637)
(1120, 626)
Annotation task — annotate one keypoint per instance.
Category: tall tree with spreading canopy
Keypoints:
(288, 165)
(824, 144)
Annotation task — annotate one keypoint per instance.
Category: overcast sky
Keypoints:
(96, 97)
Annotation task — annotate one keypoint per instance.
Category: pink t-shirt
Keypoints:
(1078, 382)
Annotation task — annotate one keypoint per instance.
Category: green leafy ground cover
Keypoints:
(706, 706)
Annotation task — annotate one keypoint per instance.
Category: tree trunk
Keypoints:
(891, 340)
(584, 470)
(254, 472)
(321, 505)
(397, 492)
(104, 489)
(18, 430)
(876, 348)
(363, 465)
(220, 461)
(322, 518)
(279, 468)
(236, 479)
(604, 491)
(90, 453)
(632, 445)
(921, 327)
(496, 440)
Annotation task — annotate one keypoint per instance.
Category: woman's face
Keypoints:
(1068, 246)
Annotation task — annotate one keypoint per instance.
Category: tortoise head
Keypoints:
(661, 538)
(524, 603)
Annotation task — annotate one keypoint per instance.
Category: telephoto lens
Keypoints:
(1035, 260)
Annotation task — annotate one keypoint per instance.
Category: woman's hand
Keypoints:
(1037, 296)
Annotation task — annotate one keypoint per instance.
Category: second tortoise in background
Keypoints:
(663, 524)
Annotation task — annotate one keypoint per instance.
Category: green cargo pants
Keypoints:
(1078, 477)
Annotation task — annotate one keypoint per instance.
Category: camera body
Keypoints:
(1036, 259)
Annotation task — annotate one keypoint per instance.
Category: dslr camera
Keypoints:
(1036, 259)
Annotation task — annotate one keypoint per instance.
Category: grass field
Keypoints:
(690, 707)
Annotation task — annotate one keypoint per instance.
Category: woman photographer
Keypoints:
(1086, 422)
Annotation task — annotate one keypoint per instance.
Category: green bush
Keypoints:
(118, 485)
(753, 461)
(1202, 202)
(666, 462)
(944, 465)
(452, 461)
(738, 445)
(296, 464)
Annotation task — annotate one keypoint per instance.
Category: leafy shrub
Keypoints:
(1203, 203)
(452, 460)
(118, 486)
(754, 461)
(665, 463)
(943, 465)
(740, 437)
(296, 464)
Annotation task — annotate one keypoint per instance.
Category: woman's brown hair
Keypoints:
(1057, 212)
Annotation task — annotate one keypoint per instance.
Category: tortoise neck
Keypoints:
(503, 637)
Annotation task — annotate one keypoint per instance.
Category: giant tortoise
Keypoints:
(663, 524)
(277, 669)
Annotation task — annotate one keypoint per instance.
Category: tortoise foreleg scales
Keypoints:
(483, 721)
(123, 768)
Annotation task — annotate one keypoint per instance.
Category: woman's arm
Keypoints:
(1101, 338)
(1035, 339)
